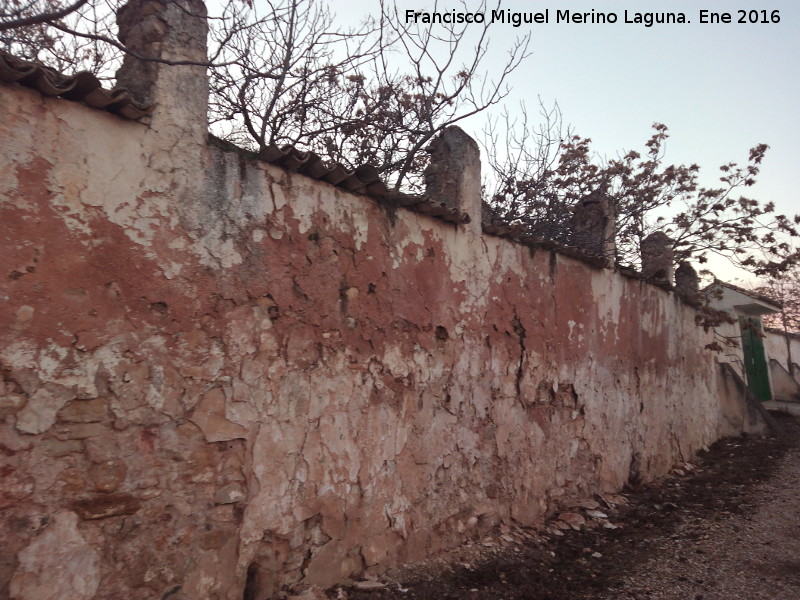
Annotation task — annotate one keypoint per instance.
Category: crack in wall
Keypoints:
(519, 330)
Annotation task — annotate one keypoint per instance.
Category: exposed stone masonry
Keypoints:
(687, 283)
(657, 258)
(594, 227)
(453, 175)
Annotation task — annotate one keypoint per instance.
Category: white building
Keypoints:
(750, 356)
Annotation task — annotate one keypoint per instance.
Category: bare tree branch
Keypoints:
(42, 17)
(540, 182)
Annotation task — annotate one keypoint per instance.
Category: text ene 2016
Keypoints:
(744, 16)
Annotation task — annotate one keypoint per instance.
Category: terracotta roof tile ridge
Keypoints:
(364, 179)
(81, 87)
(516, 233)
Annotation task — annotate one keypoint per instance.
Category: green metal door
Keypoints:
(755, 360)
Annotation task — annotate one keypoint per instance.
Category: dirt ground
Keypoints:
(724, 526)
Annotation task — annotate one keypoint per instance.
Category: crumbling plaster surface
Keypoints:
(216, 371)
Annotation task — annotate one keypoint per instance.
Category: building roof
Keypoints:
(752, 294)
(789, 334)
(728, 297)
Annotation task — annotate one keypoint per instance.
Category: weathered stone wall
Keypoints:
(216, 373)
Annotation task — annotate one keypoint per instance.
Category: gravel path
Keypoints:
(724, 527)
(747, 556)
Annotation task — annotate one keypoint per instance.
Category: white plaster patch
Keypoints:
(50, 361)
(72, 213)
(19, 354)
(177, 243)
(39, 413)
(223, 251)
(395, 513)
(279, 199)
(395, 361)
(606, 292)
(360, 226)
(172, 270)
(8, 186)
(57, 564)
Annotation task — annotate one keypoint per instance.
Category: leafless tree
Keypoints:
(541, 182)
(523, 160)
(282, 73)
(785, 290)
(378, 93)
(375, 95)
(39, 31)
(286, 69)
(17, 14)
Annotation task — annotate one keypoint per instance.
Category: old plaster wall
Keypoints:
(778, 347)
(217, 374)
